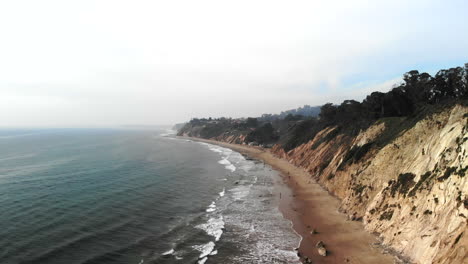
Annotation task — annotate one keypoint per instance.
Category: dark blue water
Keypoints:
(126, 196)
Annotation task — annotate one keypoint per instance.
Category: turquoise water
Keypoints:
(127, 196)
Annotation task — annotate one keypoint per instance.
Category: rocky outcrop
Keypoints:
(321, 249)
(404, 177)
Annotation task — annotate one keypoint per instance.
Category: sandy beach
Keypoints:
(311, 207)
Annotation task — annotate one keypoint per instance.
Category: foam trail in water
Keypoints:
(231, 167)
(216, 150)
(240, 192)
(227, 164)
(205, 250)
(211, 207)
(169, 252)
(214, 227)
(227, 154)
(224, 161)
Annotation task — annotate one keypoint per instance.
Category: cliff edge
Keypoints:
(412, 191)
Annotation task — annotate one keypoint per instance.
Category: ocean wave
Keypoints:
(217, 150)
(229, 156)
(253, 215)
(240, 192)
(169, 252)
(224, 161)
(19, 135)
(24, 156)
(231, 167)
(213, 227)
(31, 168)
(205, 250)
(211, 207)
(246, 166)
(227, 164)
(60, 251)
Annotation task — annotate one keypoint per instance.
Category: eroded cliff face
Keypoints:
(406, 181)
(229, 135)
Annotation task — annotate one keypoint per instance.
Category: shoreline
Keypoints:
(346, 241)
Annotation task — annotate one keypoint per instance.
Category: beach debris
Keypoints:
(321, 248)
(313, 232)
(307, 260)
(322, 251)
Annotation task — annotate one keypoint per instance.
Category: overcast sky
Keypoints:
(107, 63)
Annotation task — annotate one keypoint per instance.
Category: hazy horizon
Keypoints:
(117, 63)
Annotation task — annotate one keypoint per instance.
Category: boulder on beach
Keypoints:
(322, 251)
(320, 244)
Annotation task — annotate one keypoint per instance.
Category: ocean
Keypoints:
(98, 196)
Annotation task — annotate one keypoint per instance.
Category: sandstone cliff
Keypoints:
(404, 178)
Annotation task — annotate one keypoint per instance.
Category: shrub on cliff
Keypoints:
(263, 135)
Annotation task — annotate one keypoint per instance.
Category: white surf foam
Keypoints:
(205, 250)
(211, 207)
(217, 150)
(240, 192)
(169, 252)
(227, 164)
(224, 162)
(227, 155)
(214, 227)
(231, 167)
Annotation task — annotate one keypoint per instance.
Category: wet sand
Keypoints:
(309, 206)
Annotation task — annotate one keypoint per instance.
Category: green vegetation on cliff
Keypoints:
(402, 107)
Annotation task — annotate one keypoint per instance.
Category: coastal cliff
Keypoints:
(412, 192)
(397, 161)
